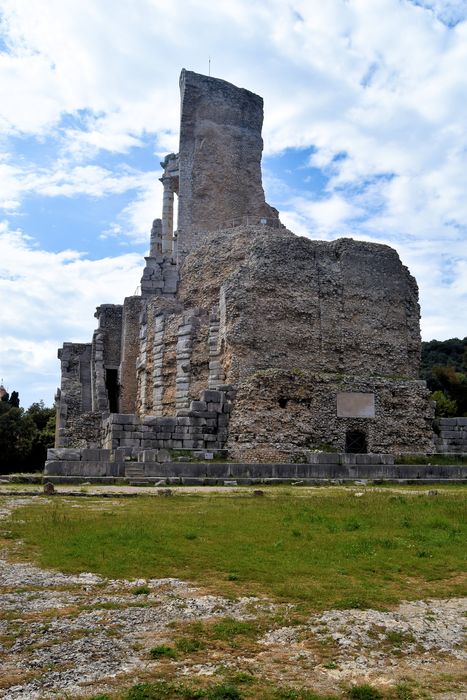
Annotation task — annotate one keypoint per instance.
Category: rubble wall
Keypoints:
(289, 302)
(279, 415)
(219, 158)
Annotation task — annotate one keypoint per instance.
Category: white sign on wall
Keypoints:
(354, 404)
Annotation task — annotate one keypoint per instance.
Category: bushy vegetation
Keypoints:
(25, 435)
(444, 366)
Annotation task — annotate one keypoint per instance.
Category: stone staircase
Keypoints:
(135, 475)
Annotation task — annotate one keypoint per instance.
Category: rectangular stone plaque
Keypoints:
(353, 404)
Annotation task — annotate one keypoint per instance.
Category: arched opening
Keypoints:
(355, 442)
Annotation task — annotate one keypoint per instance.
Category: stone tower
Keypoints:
(246, 337)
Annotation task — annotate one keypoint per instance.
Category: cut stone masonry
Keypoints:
(452, 436)
(245, 337)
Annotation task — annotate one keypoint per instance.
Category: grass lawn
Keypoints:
(327, 549)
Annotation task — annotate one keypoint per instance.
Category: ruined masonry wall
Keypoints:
(74, 396)
(219, 158)
(279, 415)
(106, 351)
(129, 353)
(202, 426)
(160, 277)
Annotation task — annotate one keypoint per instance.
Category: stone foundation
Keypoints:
(451, 435)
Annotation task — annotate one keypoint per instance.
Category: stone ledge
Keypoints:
(254, 472)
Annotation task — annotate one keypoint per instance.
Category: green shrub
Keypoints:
(141, 590)
(224, 691)
(228, 628)
(364, 692)
(445, 406)
(189, 644)
(162, 650)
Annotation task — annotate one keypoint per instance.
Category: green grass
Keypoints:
(436, 459)
(327, 548)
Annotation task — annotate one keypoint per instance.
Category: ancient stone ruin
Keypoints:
(246, 341)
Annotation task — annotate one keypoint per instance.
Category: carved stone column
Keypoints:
(167, 214)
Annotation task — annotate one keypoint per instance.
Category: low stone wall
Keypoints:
(202, 426)
(223, 472)
(452, 435)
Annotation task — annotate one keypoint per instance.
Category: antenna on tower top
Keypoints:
(209, 66)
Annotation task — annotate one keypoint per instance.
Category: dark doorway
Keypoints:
(111, 384)
(355, 442)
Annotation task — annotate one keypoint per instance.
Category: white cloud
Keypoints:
(51, 299)
(379, 83)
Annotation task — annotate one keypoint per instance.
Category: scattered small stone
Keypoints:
(258, 492)
(49, 489)
(359, 494)
(432, 492)
(165, 492)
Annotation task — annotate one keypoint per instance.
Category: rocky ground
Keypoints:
(69, 636)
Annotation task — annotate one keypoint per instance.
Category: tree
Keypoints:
(24, 435)
(17, 435)
(14, 399)
(44, 420)
(445, 407)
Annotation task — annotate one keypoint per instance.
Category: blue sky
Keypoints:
(365, 135)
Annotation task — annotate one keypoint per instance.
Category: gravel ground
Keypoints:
(70, 635)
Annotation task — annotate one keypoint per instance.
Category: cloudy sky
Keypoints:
(365, 136)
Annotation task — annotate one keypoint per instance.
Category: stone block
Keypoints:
(123, 418)
(199, 406)
(346, 459)
(322, 457)
(151, 420)
(162, 456)
(206, 414)
(211, 396)
(148, 456)
(183, 420)
(95, 454)
(63, 453)
(462, 422)
(128, 442)
(445, 422)
(167, 424)
(214, 407)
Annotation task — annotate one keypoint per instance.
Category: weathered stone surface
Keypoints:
(261, 428)
(251, 337)
(286, 301)
(220, 158)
